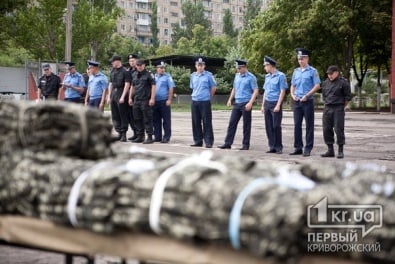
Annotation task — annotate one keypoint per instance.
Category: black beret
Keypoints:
(269, 60)
(140, 62)
(115, 58)
(333, 68)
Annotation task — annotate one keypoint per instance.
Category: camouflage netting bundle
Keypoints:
(198, 197)
(70, 129)
(262, 207)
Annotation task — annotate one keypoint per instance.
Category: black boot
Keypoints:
(133, 137)
(148, 140)
(340, 154)
(329, 153)
(123, 137)
(139, 139)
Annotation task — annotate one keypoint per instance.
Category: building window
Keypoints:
(165, 10)
(233, 9)
(131, 5)
(174, 14)
(122, 4)
(165, 20)
(158, 20)
(141, 39)
(166, 32)
(166, 42)
(173, 3)
(142, 5)
(226, 1)
(122, 27)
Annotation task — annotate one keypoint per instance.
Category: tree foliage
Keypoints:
(193, 15)
(332, 30)
(229, 29)
(94, 24)
(154, 25)
(39, 28)
(252, 10)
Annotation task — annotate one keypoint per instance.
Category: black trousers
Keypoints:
(239, 111)
(333, 121)
(273, 126)
(304, 110)
(201, 114)
(162, 116)
(119, 113)
(142, 114)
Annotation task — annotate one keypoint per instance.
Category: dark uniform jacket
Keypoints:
(336, 92)
(142, 83)
(50, 85)
(118, 78)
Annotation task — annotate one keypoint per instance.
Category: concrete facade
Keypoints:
(137, 19)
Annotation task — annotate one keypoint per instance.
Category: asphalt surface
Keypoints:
(370, 138)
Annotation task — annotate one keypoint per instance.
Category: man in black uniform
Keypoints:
(336, 93)
(142, 97)
(48, 85)
(132, 68)
(118, 97)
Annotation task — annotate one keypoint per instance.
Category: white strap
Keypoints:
(202, 160)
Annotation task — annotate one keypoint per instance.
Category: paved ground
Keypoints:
(370, 138)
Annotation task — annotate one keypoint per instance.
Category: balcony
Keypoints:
(143, 22)
(142, 1)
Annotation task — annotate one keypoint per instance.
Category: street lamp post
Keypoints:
(69, 24)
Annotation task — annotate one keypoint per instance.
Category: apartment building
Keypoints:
(137, 19)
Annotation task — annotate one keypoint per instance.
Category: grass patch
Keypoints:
(214, 107)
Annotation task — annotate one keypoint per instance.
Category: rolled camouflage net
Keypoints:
(196, 198)
(70, 129)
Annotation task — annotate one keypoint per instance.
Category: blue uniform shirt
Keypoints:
(274, 83)
(304, 81)
(244, 85)
(201, 85)
(76, 79)
(164, 83)
(96, 85)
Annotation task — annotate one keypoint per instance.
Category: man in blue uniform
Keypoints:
(73, 84)
(336, 93)
(118, 91)
(142, 97)
(203, 87)
(245, 91)
(49, 85)
(162, 110)
(305, 82)
(275, 87)
(97, 87)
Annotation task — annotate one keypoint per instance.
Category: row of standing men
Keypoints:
(142, 100)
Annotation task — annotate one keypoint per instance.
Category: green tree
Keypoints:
(94, 23)
(193, 15)
(154, 25)
(229, 29)
(252, 10)
(39, 28)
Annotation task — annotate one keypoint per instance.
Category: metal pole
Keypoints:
(69, 24)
